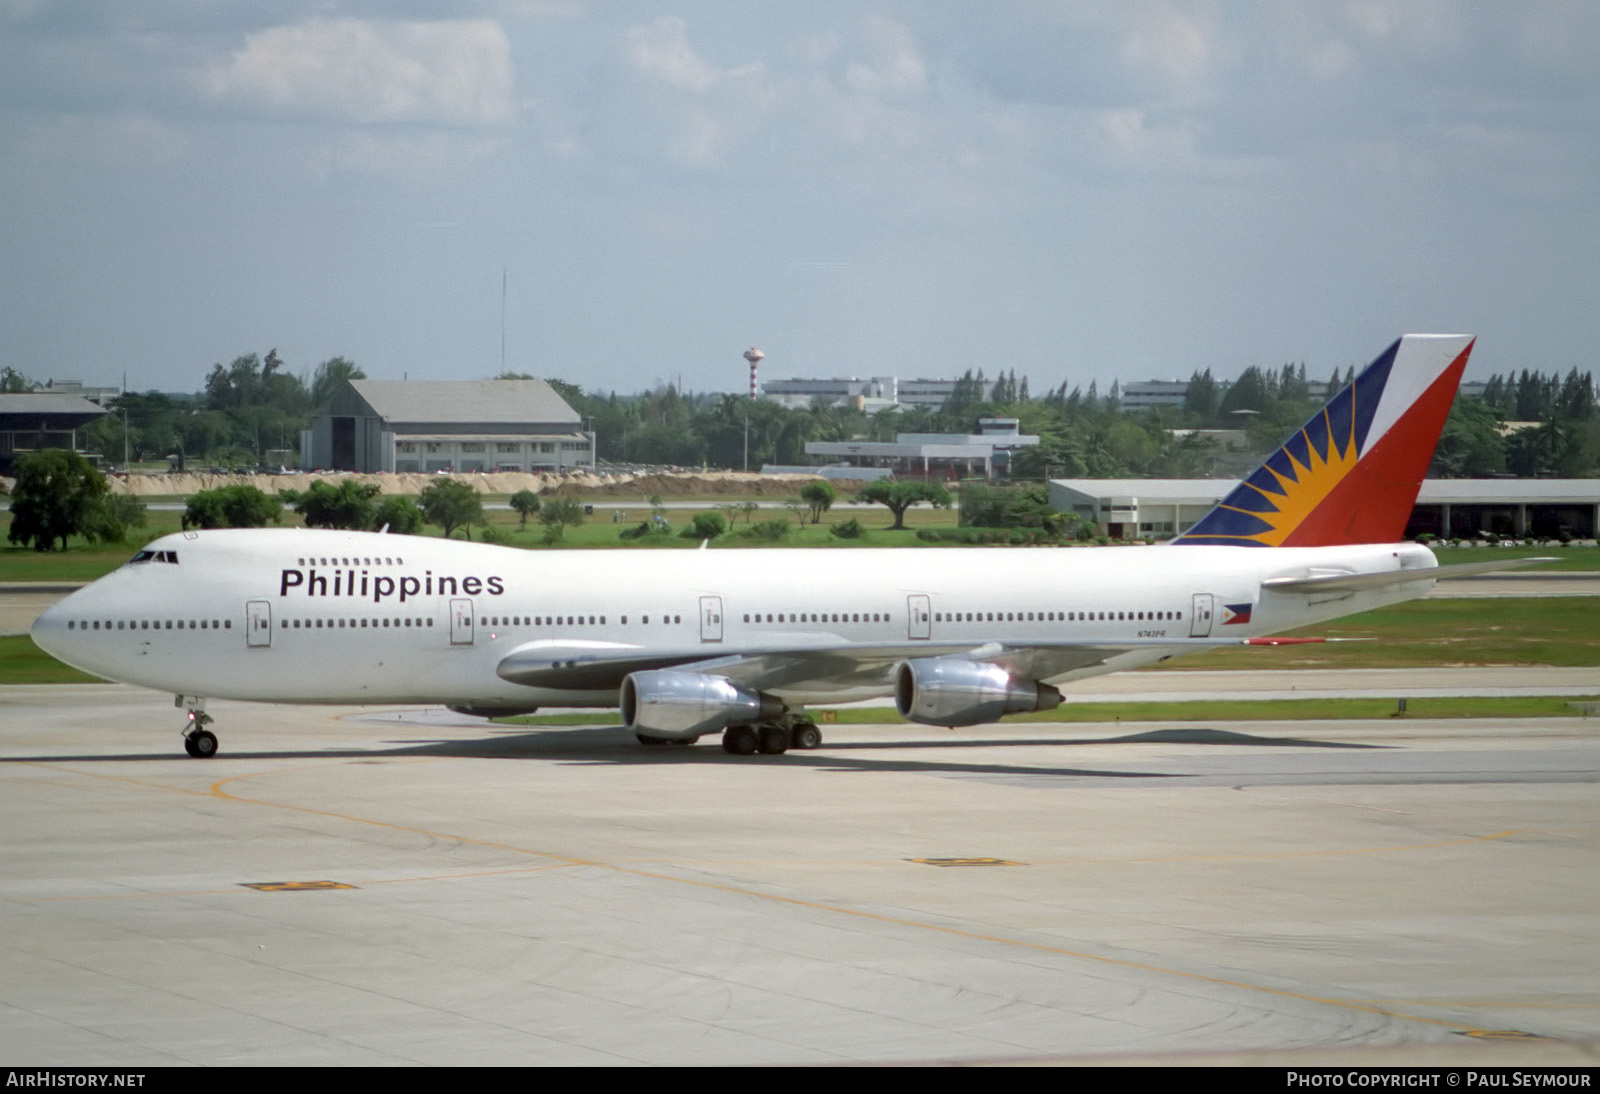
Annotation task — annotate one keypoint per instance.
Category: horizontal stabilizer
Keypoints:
(1328, 583)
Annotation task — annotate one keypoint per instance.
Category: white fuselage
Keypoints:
(290, 615)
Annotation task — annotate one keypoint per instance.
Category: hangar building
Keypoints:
(446, 425)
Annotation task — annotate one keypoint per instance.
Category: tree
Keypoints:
(399, 515)
(900, 496)
(1470, 445)
(350, 505)
(110, 518)
(819, 498)
(451, 504)
(556, 514)
(55, 495)
(231, 507)
(526, 503)
(1251, 391)
(329, 375)
(985, 506)
(1200, 399)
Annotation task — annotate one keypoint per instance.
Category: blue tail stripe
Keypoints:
(1266, 482)
(1297, 447)
(1316, 433)
(1280, 462)
(1339, 418)
(1368, 390)
(1219, 541)
(1250, 500)
(1223, 521)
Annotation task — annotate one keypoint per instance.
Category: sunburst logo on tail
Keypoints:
(1316, 490)
(1289, 487)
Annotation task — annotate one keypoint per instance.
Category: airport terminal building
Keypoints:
(1449, 508)
(446, 425)
(939, 456)
(40, 420)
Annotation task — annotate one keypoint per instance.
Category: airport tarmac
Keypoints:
(385, 886)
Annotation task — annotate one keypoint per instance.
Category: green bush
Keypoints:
(848, 529)
(112, 517)
(646, 529)
(771, 530)
(231, 507)
(705, 526)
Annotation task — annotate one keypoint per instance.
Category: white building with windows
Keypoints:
(446, 425)
(932, 455)
(1464, 508)
(877, 393)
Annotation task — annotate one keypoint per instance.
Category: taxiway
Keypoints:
(368, 887)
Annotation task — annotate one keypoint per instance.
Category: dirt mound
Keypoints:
(581, 484)
(690, 484)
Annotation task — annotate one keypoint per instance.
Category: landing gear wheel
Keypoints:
(201, 744)
(806, 735)
(739, 740)
(774, 740)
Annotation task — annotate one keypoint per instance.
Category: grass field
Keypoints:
(1560, 631)
(85, 562)
(21, 662)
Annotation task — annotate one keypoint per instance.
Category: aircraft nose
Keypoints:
(49, 629)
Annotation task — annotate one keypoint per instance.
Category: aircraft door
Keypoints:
(258, 623)
(711, 619)
(461, 622)
(1200, 616)
(919, 616)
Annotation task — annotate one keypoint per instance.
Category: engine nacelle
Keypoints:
(683, 705)
(947, 691)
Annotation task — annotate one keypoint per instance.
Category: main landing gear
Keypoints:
(771, 738)
(198, 741)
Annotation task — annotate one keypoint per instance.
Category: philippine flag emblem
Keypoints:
(1236, 613)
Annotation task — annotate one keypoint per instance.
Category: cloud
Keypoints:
(661, 49)
(707, 110)
(1178, 47)
(893, 66)
(449, 73)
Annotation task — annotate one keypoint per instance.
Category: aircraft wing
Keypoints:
(838, 664)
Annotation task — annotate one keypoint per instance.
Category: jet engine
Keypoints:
(683, 705)
(941, 691)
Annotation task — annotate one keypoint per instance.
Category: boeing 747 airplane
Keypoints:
(690, 643)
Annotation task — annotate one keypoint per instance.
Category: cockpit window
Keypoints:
(154, 556)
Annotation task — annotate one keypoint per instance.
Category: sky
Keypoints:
(1078, 191)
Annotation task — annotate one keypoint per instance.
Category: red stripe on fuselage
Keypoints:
(1374, 501)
